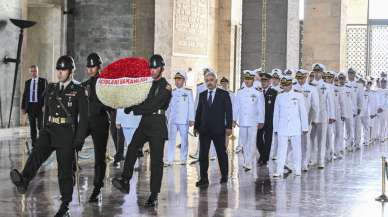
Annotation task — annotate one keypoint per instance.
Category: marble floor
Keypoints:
(346, 187)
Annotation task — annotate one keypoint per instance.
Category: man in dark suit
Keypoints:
(264, 135)
(213, 121)
(32, 102)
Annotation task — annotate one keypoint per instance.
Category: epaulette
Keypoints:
(297, 91)
(314, 85)
(200, 84)
(186, 88)
(293, 83)
(348, 86)
(259, 88)
(241, 88)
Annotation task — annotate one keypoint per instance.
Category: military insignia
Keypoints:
(70, 103)
(62, 65)
(168, 87)
(294, 100)
(184, 97)
(253, 97)
(72, 93)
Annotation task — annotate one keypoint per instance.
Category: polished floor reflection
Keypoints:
(345, 187)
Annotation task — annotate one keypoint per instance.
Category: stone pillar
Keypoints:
(9, 35)
(282, 38)
(195, 34)
(324, 34)
(99, 26)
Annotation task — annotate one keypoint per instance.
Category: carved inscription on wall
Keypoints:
(190, 27)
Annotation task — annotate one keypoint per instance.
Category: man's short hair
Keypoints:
(34, 67)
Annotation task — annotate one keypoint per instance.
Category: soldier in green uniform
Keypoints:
(152, 129)
(98, 123)
(64, 130)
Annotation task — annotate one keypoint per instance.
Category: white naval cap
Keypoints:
(318, 66)
(249, 73)
(286, 80)
(276, 72)
(301, 73)
(180, 74)
(289, 72)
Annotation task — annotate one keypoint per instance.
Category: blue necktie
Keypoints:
(33, 91)
(210, 98)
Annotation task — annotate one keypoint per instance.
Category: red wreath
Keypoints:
(130, 67)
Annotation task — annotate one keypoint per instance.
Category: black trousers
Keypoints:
(156, 142)
(222, 156)
(65, 157)
(35, 117)
(263, 142)
(99, 130)
(117, 136)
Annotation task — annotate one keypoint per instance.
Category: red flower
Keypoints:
(130, 67)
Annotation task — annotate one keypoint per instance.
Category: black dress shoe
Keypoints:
(152, 200)
(19, 181)
(121, 184)
(95, 195)
(202, 183)
(63, 211)
(224, 180)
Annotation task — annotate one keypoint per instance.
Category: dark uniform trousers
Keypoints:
(117, 136)
(41, 152)
(35, 117)
(150, 130)
(222, 156)
(264, 141)
(99, 130)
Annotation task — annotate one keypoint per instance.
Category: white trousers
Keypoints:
(128, 134)
(247, 138)
(330, 137)
(183, 130)
(318, 142)
(274, 148)
(349, 132)
(357, 130)
(306, 148)
(364, 130)
(295, 142)
(383, 116)
(339, 136)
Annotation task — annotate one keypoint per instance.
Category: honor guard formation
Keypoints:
(301, 119)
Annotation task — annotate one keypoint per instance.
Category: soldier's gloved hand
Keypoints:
(128, 110)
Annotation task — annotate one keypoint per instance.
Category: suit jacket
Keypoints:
(216, 118)
(42, 84)
(270, 97)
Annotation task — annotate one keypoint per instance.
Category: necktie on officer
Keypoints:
(210, 98)
(33, 91)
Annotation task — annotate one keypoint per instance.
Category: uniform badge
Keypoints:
(253, 97)
(184, 97)
(69, 103)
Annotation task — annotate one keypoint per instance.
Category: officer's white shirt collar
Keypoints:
(35, 79)
(213, 93)
(64, 84)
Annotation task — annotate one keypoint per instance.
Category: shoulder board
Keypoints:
(199, 83)
(293, 83)
(348, 86)
(297, 91)
(174, 89)
(312, 84)
(258, 88)
(241, 88)
(186, 88)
